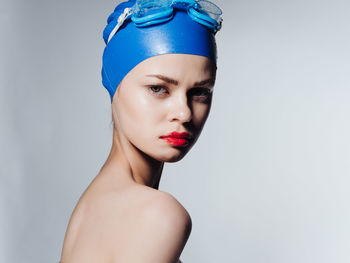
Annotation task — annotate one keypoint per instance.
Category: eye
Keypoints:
(201, 94)
(158, 90)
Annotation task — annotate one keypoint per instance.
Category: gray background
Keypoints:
(268, 180)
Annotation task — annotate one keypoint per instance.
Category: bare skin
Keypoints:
(122, 217)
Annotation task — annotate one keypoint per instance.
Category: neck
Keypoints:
(126, 160)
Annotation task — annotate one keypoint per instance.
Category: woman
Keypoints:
(159, 67)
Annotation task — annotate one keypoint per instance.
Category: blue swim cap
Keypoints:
(131, 44)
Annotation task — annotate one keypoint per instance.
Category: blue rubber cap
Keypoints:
(131, 45)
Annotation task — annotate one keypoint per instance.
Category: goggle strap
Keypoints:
(121, 19)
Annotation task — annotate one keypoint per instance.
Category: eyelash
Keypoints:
(207, 92)
(155, 92)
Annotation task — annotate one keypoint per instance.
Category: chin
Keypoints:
(174, 159)
(174, 155)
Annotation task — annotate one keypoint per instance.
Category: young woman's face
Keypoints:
(164, 94)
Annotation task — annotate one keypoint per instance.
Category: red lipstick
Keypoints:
(177, 139)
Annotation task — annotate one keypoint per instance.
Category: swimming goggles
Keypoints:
(149, 12)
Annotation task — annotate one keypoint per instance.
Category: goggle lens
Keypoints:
(150, 7)
(208, 8)
(144, 8)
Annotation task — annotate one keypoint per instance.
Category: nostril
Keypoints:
(186, 116)
(182, 114)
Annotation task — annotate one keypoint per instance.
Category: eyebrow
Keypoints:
(175, 82)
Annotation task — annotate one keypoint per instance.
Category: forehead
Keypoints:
(178, 65)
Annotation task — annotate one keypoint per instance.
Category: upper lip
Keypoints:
(178, 135)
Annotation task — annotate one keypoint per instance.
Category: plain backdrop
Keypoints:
(268, 180)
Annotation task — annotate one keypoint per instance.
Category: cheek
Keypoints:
(139, 115)
(200, 113)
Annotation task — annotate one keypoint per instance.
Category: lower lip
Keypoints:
(176, 141)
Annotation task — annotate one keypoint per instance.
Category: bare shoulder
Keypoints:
(148, 202)
(165, 206)
(161, 222)
(163, 210)
(111, 226)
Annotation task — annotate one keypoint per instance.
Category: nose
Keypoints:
(180, 110)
